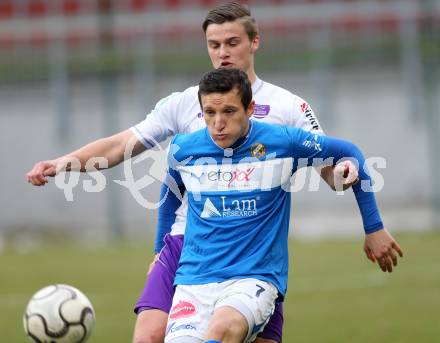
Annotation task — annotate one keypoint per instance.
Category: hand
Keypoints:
(381, 247)
(38, 174)
(150, 268)
(345, 175)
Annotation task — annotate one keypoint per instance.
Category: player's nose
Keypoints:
(219, 123)
(223, 51)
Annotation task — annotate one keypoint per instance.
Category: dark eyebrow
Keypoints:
(227, 40)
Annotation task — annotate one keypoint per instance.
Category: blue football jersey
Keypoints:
(239, 201)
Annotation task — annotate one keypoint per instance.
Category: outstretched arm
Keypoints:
(379, 245)
(113, 149)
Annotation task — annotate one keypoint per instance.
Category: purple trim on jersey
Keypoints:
(260, 111)
(158, 291)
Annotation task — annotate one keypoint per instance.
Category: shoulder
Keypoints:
(284, 95)
(186, 139)
(280, 132)
(177, 97)
(272, 132)
(297, 111)
(190, 92)
(280, 92)
(188, 144)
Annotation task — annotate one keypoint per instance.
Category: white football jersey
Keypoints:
(181, 113)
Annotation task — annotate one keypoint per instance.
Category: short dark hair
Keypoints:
(232, 11)
(223, 80)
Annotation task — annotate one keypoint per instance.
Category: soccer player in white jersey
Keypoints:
(234, 261)
(232, 42)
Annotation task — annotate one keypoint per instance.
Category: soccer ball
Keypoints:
(59, 314)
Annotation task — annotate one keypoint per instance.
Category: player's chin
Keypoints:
(223, 142)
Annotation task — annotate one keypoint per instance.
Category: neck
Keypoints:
(252, 76)
(251, 73)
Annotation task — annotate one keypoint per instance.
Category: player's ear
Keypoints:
(255, 44)
(250, 109)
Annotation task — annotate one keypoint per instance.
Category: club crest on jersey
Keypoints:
(258, 150)
(260, 111)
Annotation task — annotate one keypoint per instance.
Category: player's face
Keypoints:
(225, 117)
(230, 46)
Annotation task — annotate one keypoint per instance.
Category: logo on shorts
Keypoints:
(183, 309)
(173, 328)
(258, 150)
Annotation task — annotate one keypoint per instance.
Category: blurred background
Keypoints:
(72, 71)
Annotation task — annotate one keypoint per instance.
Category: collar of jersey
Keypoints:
(256, 86)
(239, 142)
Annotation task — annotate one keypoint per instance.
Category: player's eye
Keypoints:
(214, 46)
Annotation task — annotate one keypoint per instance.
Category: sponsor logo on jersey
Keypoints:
(200, 115)
(259, 175)
(232, 178)
(183, 309)
(307, 110)
(258, 150)
(209, 210)
(173, 327)
(313, 143)
(234, 208)
(261, 111)
(305, 107)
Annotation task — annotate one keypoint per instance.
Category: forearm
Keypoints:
(111, 149)
(368, 208)
(364, 194)
(339, 149)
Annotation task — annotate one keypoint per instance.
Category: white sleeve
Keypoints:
(304, 117)
(160, 123)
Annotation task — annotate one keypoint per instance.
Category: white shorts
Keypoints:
(194, 305)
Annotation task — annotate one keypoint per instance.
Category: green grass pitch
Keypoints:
(335, 294)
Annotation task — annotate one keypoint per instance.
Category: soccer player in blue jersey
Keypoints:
(234, 260)
(232, 40)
